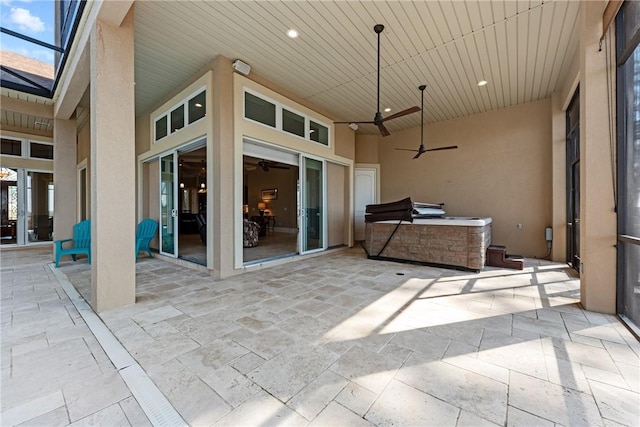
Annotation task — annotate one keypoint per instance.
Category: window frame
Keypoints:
(185, 114)
(31, 141)
(279, 118)
(25, 148)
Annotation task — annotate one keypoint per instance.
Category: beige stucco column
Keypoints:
(64, 178)
(220, 177)
(598, 219)
(112, 165)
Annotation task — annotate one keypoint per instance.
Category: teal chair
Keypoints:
(144, 234)
(81, 243)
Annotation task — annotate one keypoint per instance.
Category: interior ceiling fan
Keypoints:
(378, 119)
(266, 165)
(421, 150)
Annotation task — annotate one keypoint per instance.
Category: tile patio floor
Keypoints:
(331, 340)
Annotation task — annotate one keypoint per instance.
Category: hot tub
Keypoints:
(456, 242)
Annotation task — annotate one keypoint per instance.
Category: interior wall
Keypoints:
(335, 204)
(284, 207)
(502, 170)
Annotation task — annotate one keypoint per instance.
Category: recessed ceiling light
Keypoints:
(482, 83)
(198, 105)
(386, 110)
(292, 33)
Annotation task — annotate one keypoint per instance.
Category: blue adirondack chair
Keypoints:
(145, 233)
(81, 242)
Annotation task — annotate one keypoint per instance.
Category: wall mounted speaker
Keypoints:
(241, 67)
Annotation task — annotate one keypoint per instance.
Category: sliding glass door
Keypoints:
(312, 209)
(168, 209)
(27, 206)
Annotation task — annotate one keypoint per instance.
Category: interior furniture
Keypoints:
(81, 243)
(8, 231)
(251, 230)
(497, 257)
(188, 224)
(43, 227)
(145, 232)
(262, 222)
(201, 222)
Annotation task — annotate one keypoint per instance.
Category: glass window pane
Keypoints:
(319, 133)
(11, 147)
(40, 194)
(177, 119)
(259, 110)
(197, 107)
(41, 151)
(292, 123)
(161, 127)
(631, 150)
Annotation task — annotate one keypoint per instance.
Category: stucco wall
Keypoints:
(366, 148)
(502, 169)
(336, 185)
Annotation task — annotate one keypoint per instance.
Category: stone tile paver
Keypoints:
(335, 339)
(56, 372)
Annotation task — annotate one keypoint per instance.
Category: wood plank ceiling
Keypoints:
(521, 48)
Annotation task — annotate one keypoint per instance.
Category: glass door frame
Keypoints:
(303, 221)
(170, 204)
(23, 193)
(573, 181)
(196, 144)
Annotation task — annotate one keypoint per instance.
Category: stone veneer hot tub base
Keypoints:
(459, 243)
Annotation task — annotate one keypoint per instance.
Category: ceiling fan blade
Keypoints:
(418, 154)
(402, 113)
(450, 147)
(383, 130)
(407, 149)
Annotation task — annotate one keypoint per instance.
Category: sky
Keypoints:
(33, 18)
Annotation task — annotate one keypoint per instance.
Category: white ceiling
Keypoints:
(522, 48)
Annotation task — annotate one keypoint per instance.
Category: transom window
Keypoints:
(26, 148)
(189, 111)
(263, 110)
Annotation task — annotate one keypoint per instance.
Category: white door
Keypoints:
(365, 194)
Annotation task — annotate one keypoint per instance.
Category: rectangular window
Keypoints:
(161, 127)
(177, 119)
(292, 123)
(319, 133)
(41, 151)
(259, 110)
(11, 147)
(197, 107)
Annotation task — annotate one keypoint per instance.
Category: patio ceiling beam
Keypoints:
(24, 107)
